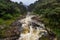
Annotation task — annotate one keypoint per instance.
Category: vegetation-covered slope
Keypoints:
(50, 11)
(10, 10)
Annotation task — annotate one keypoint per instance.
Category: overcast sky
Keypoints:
(26, 2)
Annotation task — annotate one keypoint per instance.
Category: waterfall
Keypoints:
(32, 29)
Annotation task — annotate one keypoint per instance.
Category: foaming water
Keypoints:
(32, 30)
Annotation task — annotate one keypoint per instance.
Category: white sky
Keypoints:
(26, 2)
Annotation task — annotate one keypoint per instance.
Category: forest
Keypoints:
(49, 10)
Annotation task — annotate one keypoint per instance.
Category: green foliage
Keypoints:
(9, 12)
(50, 11)
(8, 9)
(1, 21)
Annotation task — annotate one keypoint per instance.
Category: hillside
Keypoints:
(49, 10)
(9, 12)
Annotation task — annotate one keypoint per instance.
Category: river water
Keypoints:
(32, 29)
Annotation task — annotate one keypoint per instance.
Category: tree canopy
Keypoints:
(9, 9)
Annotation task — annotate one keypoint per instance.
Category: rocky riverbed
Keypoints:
(31, 27)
